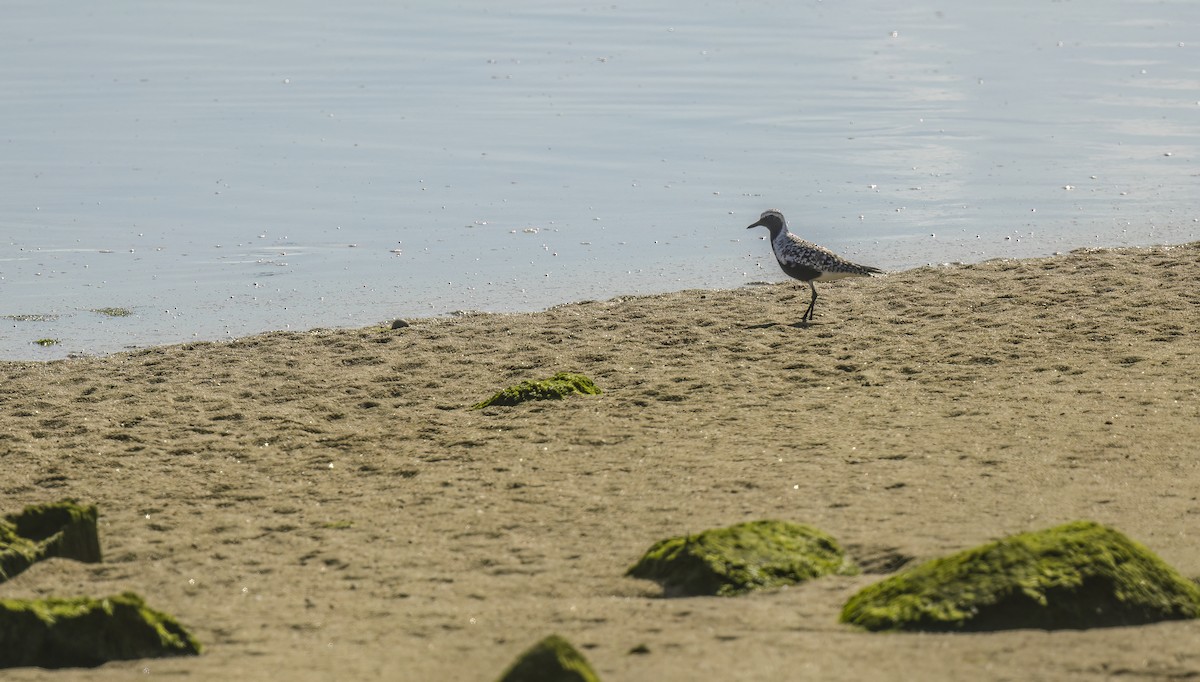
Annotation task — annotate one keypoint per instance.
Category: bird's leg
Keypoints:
(804, 317)
(808, 314)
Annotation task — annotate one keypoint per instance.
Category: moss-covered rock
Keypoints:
(60, 633)
(1079, 575)
(551, 660)
(63, 529)
(556, 387)
(748, 556)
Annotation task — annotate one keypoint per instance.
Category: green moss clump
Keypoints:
(84, 632)
(113, 312)
(551, 660)
(63, 529)
(47, 342)
(556, 387)
(748, 556)
(1075, 576)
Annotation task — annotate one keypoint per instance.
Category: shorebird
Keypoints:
(806, 261)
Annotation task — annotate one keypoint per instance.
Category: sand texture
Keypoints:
(325, 505)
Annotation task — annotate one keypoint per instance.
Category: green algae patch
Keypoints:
(113, 312)
(63, 529)
(551, 660)
(46, 342)
(85, 632)
(748, 556)
(556, 387)
(1075, 576)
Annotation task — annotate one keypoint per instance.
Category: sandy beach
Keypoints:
(324, 505)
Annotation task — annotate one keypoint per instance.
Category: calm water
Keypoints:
(222, 168)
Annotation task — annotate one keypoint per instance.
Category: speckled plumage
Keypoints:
(806, 261)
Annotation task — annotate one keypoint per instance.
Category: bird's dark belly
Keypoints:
(800, 272)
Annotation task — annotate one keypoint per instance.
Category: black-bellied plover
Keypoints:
(806, 261)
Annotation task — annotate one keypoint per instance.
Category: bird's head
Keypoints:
(772, 220)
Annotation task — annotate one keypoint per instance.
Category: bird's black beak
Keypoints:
(751, 227)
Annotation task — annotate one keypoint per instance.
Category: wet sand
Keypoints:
(324, 505)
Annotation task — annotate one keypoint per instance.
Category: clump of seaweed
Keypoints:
(82, 631)
(551, 660)
(748, 556)
(1075, 576)
(63, 529)
(556, 387)
(47, 342)
(113, 312)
